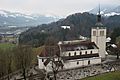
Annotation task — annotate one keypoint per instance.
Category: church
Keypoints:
(78, 53)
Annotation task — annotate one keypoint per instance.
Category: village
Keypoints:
(74, 59)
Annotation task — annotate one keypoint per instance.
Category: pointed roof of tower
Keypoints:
(99, 23)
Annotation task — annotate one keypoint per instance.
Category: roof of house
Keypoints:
(48, 51)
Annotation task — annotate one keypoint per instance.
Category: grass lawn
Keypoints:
(6, 45)
(106, 76)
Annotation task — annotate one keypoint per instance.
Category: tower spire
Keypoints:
(99, 15)
(99, 9)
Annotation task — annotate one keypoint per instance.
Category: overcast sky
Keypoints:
(54, 7)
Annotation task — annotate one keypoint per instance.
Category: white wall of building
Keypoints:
(81, 62)
(41, 63)
(69, 64)
(94, 51)
(95, 61)
(42, 66)
(99, 39)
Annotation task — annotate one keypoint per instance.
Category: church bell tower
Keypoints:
(98, 35)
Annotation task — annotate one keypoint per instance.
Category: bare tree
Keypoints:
(5, 62)
(56, 63)
(8, 61)
(56, 66)
(23, 58)
(2, 59)
(118, 46)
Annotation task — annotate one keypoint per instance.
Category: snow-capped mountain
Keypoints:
(107, 10)
(18, 19)
(117, 9)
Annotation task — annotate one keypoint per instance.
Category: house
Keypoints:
(77, 53)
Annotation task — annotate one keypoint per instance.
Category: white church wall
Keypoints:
(102, 46)
(86, 62)
(49, 67)
(95, 61)
(40, 64)
(81, 62)
(98, 35)
(72, 53)
(72, 64)
(69, 64)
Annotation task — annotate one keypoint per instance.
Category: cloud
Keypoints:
(58, 7)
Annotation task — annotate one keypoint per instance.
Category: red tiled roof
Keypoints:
(49, 51)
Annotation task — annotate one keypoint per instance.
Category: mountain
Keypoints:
(116, 9)
(107, 10)
(18, 19)
(80, 24)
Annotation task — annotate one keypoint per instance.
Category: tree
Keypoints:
(54, 57)
(0, 38)
(118, 46)
(56, 65)
(2, 59)
(23, 58)
(5, 62)
(8, 61)
(115, 34)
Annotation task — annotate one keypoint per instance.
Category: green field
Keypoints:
(6, 45)
(106, 76)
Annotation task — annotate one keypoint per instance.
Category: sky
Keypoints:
(53, 7)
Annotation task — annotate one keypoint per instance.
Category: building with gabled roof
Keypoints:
(77, 53)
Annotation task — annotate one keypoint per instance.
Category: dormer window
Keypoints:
(42, 60)
(80, 53)
(90, 52)
(89, 62)
(77, 62)
(69, 54)
(75, 53)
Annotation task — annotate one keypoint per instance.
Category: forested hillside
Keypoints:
(80, 23)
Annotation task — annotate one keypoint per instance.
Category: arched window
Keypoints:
(80, 53)
(75, 53)
(42, 60)
(85, 52)
(77, 62)
(89, 62)
(94, 33)
(69, 54)
(90, 52)
(101, 33)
